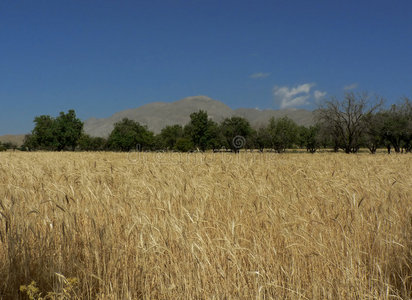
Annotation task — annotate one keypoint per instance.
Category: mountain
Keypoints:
(16, 139)
(157, 115)
(259, 118)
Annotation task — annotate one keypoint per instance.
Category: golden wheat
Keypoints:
(206, 226)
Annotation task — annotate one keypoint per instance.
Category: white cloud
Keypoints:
(291, 97)
(350, 87)
(259, 75)
(318, 95)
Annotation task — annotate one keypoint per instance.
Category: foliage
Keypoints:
(90, 143)
(128, 134)
(309, 138)
(68, 129)
(373, 136)
(202, 131)
(263, 138)
(169, 136)
(29, 143)
(283, 133)
(8, 145)
(67, 291)
(61, 133)
(31, 290)
(44, 133)
(235, 126)
(183, 144)
(397, 126)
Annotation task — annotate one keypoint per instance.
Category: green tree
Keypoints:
(309, 138)
(393, 125)
(283, 133)
(128, 134)
(327, 137)
(373, 136)
(216, 138)
(201, 131)
(262, 138)
(9, 145)
(397, 126)
(29, 143)
(68, 129)
(233, 127)
(44, 133)
(407, 139)
(301, 136)
(58, 133)
(183, 144)
(169, 136)
(90, 143)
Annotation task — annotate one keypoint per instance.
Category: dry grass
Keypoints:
(166, 226)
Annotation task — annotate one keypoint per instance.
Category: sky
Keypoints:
(100, 57)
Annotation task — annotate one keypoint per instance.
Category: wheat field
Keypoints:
(205, 226)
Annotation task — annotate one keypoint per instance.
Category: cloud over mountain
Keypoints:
(292, 97)
(319, 95)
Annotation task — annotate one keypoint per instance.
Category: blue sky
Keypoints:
(100, 57)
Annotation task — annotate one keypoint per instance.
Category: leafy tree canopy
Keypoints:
(202, 131)
(128, 134)
(68, 130)
(58, 133)
(283, 133)
(235, 127)
(169, 136)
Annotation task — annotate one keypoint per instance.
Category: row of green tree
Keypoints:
(347, 124)
(7, 146)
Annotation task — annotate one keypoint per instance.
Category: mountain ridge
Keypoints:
(157, 115)
(16, 139)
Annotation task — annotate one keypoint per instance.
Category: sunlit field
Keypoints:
(205, 226)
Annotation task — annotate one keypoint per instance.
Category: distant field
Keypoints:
(204, 226)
